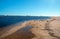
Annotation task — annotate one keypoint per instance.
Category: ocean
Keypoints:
(9, 20)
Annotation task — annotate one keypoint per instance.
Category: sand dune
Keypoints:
(33, 29)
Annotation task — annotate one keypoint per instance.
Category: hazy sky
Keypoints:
(30, 7)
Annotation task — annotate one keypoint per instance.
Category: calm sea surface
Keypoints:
(8, 20)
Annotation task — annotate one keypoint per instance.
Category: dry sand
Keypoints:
(33, 29)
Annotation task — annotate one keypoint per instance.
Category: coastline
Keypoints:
(41, 29)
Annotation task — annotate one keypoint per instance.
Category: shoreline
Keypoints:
(39, 29)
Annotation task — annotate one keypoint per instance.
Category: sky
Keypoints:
(30, 7)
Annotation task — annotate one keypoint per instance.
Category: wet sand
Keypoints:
(33, 29)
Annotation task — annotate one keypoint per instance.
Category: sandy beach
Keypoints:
(33, 29)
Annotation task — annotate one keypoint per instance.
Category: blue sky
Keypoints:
(30, 7)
